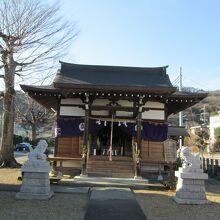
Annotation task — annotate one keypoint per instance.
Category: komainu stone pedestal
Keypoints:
(190, 186)
(35, 175)
(35, 181)
(191, 180)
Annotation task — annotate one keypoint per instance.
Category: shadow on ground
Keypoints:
(158, 205)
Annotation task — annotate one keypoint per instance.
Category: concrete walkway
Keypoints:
(113, 203)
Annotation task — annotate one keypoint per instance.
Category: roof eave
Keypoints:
(178, 103)
(113, 88)
(50, 101)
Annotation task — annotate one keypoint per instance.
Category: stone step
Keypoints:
(118, 167)
(110, 165)
(110, 174)
(110, 168)
(109, 162)
(106, 168)
(107, 181)
(106, 158)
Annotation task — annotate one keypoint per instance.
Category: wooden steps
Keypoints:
(118, 167)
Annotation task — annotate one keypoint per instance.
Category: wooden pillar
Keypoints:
(111, 138)
(171, 176)
(138, 153)
(56, 137)
(85, 138)
(57, 132)
(139, 131)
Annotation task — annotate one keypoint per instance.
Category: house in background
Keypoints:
(214, 124)
(102, 111)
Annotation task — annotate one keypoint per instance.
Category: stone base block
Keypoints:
(35, 181)
(30, 196)
(35, 166)
(192, 176)
(191, 201)
(37, 175)
(190, 187)
(35, 189)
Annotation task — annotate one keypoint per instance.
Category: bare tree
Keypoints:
(31, 35)
(198, 140)
(30, 113)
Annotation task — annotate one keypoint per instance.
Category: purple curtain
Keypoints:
(152, 132)
(70, 127)
(75, 127)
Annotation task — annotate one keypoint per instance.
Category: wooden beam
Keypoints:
(110, 108)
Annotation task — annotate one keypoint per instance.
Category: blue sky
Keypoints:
(177, 33)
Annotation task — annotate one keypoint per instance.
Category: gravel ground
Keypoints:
(10, 176)
(60, 207)
(158, 205)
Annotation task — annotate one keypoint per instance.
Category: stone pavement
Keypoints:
(112, 182)
(113, 203)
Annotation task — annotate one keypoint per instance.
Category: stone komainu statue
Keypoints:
(38, 152)
(189, 159)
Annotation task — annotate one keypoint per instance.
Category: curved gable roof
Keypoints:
(116, 76)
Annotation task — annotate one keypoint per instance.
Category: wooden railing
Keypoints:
(60, 160)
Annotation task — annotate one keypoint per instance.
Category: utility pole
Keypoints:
(180, 113)
(204, 117)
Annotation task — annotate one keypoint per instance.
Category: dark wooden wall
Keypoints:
(69, 147)
(152, 151)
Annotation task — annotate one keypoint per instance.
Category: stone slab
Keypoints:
(38, 175)
(128, 181)
(194, 176)
(68, 189)
(43, 169)
(36, 182)
(113, 203)
(104, 193)
(32, 196)
(190, 170)
(191, 201)
(35, 189)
